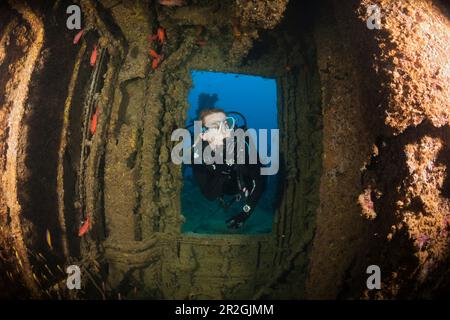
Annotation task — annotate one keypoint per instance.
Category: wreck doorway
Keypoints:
(252, 103)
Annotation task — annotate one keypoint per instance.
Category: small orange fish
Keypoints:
(155, 63)
(157, 58)
(94, 121)
(161, 34)
(78, 37)
(153, 53)
(85, 227)
(94, 56)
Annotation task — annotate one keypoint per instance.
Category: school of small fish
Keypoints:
(160, 37)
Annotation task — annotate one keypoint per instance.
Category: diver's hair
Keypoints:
(208, 111)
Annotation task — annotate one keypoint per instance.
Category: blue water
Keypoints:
(256, 98)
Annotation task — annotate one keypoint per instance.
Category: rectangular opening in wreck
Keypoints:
(250, 102)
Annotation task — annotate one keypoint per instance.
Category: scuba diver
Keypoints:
(242, 180)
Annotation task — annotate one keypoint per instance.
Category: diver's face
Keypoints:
(211, 120)
(216, 132)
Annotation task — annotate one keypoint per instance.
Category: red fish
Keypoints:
(153, 54)
(85, 227)
(94, 56)
(94, 121)
(78, 37)
(161, 34)
(155, 63)
(157, 58)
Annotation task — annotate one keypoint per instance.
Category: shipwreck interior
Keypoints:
(85, 139)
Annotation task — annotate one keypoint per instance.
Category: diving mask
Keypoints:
(220, 126)
(215, 132)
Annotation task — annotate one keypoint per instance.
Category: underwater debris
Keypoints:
(77, 37)
(94, 56)
(94, 121)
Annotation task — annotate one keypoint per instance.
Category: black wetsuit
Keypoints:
(216, 180)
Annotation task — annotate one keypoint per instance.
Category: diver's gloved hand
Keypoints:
(238, 220)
